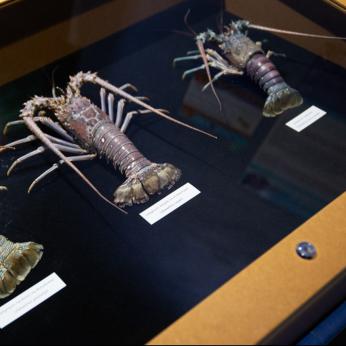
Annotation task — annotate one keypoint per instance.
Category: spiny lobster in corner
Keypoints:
(16, 262)
(87, 131)
(232, 52)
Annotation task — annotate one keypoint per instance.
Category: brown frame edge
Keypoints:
(271, 300)
(4, 3)
(340, 5)
(30, 53)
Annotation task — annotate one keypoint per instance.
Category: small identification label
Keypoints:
(170, 203)
(306, 118)
(29, 299)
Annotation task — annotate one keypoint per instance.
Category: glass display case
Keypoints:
(225, 266)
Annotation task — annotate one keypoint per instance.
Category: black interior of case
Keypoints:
(127, 280)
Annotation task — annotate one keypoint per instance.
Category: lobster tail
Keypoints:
(144, 178)
(151, 180)
(16, 262)
(280, 96)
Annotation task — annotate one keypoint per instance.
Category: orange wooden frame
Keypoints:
(272, 300)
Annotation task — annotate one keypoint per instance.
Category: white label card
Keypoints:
(29, 299)
(306, 118)
(170, 203)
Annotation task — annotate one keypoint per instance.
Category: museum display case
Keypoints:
(170, 210)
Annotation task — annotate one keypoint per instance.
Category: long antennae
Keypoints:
(295, 33)
(184, 33)
(187, 23)
(205, 60)
(40, 135)
(135, 100)
(222, 15)
(175, 31)
(53, 82)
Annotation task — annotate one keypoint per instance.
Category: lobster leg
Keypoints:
(217, 77)
(32, 138)
(214, 60)
(56, 166)
(25, 140)
(271, 53)
(68, 149)
(40, 150)
(213, 55)
(129, 117)
(193, 70)
(187, 58)
(55, 127)
(209, 52)
(56, 141)
(61, 141)
(110, 100)
(79, 79)
(120, 112)
(10, 124)
(103, 94)
(128, 86)
(45, 121)
(193, 52)
(111, 107)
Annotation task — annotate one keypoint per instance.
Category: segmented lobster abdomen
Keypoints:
(264, 72)
(281, 96)
(110, 142)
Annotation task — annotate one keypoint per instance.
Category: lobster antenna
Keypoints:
(221, 17)
(204, 56)
(53, 81)
(294, 33)
(135, 100)
(175, 31)
(184, 33)
(205, 60)
(54, 87)
(40, 135)
(186, 18)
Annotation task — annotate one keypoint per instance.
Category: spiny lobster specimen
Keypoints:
(87, 131)
(232, 52)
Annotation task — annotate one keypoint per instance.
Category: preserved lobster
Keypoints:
(87, 131)
(239, 55)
